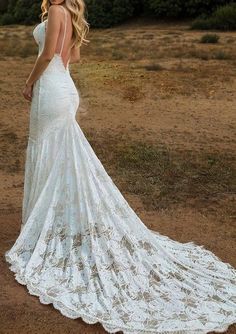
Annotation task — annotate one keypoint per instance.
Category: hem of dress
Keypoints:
(44, 298)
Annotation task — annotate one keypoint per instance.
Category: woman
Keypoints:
(81, 247)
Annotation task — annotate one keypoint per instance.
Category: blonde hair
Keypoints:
(79, 23)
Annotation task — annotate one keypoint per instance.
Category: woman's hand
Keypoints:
(27, 92)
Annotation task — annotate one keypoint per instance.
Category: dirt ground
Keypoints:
(138, 83)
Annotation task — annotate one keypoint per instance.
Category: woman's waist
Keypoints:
(56, 77)
(56, 66)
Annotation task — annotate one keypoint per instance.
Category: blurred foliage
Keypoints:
(183, 8)
(106, 13)
(21, 11)
(223, 18)
(3, 5)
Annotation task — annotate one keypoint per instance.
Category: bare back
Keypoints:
(64, 41)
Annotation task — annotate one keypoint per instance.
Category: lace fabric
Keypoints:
(83, 248)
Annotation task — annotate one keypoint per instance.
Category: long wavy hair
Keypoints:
(79, 23)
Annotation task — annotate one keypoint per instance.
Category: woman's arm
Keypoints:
(52, 32)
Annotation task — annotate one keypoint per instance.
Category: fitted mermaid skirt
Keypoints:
(82, 248)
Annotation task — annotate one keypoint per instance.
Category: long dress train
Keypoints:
(81, 246)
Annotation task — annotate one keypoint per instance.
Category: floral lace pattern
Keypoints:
(83, 248)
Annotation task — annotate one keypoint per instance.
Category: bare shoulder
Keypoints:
(55, 14)
(54, 10)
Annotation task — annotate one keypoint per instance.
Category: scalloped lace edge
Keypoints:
(91, 320)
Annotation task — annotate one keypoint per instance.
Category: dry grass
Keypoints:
(163, 177)
(16, 41)
(132, 45)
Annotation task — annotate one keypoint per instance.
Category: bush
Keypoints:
(3, 5)
(100, 13)
(7, 18)
(183, 8)
(163, 8)
(105, 13)
(21, 11)
(210, 38)
(27, 11)
(224, 18)
(207, 7)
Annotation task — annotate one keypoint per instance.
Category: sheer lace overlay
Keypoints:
(81, 246)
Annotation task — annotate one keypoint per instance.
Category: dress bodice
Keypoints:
(39, 35)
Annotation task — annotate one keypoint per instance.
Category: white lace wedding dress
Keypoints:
(81, 246)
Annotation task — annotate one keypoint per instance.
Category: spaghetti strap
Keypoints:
(64, 30)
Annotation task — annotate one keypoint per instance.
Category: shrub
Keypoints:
(100, 13)
(105, 13)
(7, 18)
(207, 7)
(183, 8)
(209, 38)
(170, 8)
(21, 11)
(27, 11)
(224, 18)
(3, 5)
